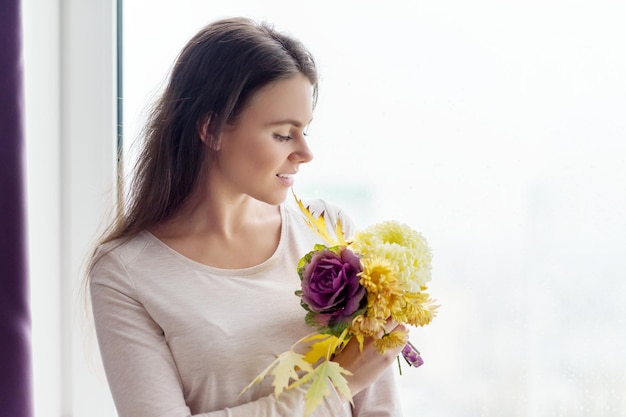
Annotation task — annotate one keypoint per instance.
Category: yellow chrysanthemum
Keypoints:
(391, 340)
(384, 292)
(363, 326)
(378, 275)
(367, 326)
(419, 309)
(402, 246)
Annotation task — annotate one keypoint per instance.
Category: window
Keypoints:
(496, 129)
(69, 77)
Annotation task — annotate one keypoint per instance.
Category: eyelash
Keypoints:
(282, 138)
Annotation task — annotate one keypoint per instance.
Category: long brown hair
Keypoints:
(212, 80)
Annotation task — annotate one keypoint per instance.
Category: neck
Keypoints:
(223, 216)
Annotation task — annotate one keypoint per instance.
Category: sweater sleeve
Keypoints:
(141, 372)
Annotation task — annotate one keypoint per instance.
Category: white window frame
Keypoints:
(70, 118)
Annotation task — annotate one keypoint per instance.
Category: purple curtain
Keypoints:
(15, 369)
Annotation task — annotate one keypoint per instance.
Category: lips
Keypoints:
(286, 179)
(287, 175)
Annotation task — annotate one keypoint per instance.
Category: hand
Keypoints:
(367, 365)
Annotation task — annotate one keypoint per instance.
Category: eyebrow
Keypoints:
(293, 122)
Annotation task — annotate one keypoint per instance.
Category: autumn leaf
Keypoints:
(284, 368)
(318, 225)
(325, 348)
(327, 371)
(321, 349)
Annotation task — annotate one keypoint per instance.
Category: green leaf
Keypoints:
(310, 318)
(336, 329)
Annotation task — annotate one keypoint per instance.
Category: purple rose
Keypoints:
(331, 291)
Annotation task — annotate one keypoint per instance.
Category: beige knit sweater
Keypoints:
(179, 338)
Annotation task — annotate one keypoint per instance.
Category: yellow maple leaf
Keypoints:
(318, 225)
(284, 368)
(325, 372)
(322, 349)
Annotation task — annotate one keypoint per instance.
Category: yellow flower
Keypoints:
(419, 309)
(367, 326)
(384, 292)
(378, 274)
(406, 249)
(391, 340)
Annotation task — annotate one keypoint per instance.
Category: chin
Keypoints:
(277, 201)
(274, 199)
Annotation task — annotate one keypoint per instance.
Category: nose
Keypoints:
(303, 153)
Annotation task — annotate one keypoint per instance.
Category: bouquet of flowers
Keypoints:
(351, 289)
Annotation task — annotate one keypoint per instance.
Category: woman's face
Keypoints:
(261, 151)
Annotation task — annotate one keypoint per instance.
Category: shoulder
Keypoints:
(117, 255)
(125, 249)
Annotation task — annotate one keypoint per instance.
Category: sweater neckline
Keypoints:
(230, 271)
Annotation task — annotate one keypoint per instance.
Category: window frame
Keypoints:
(70, 74)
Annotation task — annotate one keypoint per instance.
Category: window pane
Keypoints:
(496, 129)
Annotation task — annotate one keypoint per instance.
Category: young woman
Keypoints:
(193, 286)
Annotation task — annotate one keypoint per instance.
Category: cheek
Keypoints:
(242, 156)
(255, 145)
(267, 150)
(249, 156)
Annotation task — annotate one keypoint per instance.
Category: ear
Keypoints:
(204, 131)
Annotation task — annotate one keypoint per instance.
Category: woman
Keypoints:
(193, 286)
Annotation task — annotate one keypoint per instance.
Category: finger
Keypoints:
(391, 326)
